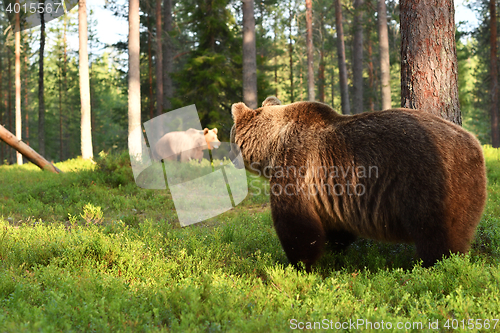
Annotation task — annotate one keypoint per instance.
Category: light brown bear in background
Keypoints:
(427, 186)
(185, 145)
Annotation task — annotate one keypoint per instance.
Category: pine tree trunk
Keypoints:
(159, 60)
(86, 128)
(150, 71)
(19, 122)
(495, 134)
(290, 51)
(27, 123)
(371, 76)
(310, 56)
(385, 66)
(344, 90)
(66, 143)
(41, 98)
(321, 75)
(9, 102)
(167, 54)
(249, 56)
(357, 66)
(134, 82)
(428, 58)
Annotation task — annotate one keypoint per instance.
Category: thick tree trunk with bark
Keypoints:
(249, 56)
(1, 100)
(167, 54)
(19, 122)
(159, 60)
(310, 55)
(25, 150)
(357, 66)
(86, 128)
(429, 58)
(495, 134)
(344, 90)
(134, 82)
(9, 101)
(41, 98)
(385, 66)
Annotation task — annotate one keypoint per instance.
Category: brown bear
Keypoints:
(398, 175)
(185, 145)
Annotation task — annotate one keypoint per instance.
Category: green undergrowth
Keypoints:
(88, 250)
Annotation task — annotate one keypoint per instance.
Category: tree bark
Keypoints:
(344, 90)
(310, 56)
(357, 66)
(249, 56)
(41, 98)
(159, 60)
(150, 71)
(19, 121)
(371, 76)
(86, 128)
(27, 123)
(9, 101)
(385, 66)
(429, 58)
(25, 150)
(167, 54)
(495, 134)
(134, 82)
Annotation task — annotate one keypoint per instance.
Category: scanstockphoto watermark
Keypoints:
(312, 180)
(361, 324)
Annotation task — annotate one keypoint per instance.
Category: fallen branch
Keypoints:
(26, 151)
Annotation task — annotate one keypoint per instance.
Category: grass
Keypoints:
(88, 250)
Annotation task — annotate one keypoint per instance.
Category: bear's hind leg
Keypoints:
(338, 240)
(300, 232)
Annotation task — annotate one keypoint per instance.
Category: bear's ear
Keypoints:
(271, 100)
(205, 131)
(238, 109)
(215, 130)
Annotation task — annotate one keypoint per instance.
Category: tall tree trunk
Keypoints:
(371, 75)
(134, 82)
(150, 71)
(495, 134)
(429, 58)
(19, 121)
(310, 56)
(159, 60)
(357, 66)
(344, 90)
(249, 56)
(167, 54)
(27, 123)
(9, 101)
(385, 66)
(321, 75)
(333, 86)
(41, 98)
(290, 51)
(86, 128)
(66, 143)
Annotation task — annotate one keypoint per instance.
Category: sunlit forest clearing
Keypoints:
(87, 249)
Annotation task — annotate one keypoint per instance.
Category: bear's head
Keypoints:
(246, 136)
(211, 138)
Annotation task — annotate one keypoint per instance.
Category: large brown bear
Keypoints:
(397, 175)
(185, 145)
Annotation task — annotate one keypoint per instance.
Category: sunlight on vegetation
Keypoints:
(88, 249)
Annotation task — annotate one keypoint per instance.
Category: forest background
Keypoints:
(206, 52)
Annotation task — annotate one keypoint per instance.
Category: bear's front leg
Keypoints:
(299, 229)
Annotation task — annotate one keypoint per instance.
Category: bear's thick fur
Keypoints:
(397, 175)
(185, 145)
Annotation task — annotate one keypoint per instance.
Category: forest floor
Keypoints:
(88, 250)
